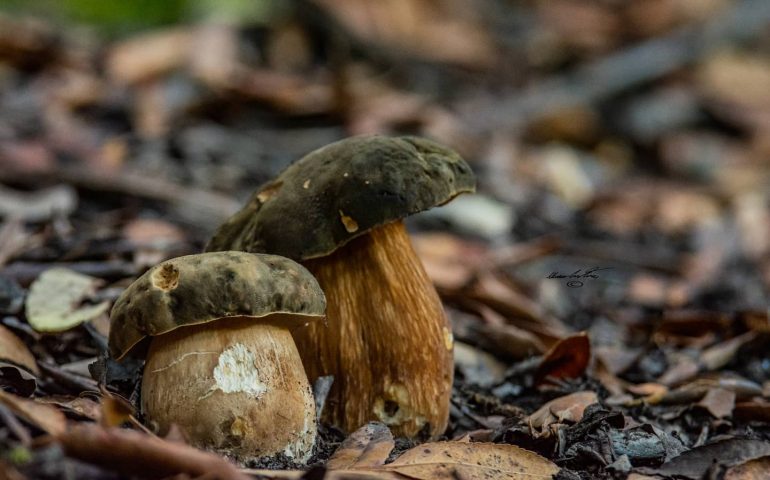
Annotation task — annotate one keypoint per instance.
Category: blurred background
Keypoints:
(632, 137)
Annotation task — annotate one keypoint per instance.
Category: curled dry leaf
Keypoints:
(55, 300)
(567, 359)
(363, 455)
(554, 414)
(369, 446)
(17, 365)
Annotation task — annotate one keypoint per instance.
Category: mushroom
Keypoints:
(221, 362)
(339, 210)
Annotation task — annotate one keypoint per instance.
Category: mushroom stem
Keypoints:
(235, 386)
(388, 342)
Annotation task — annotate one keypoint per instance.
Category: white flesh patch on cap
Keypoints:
(237, 371)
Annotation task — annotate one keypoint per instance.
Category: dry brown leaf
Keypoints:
(18, 369)
(440, 31)
(517, 308)
(566, 409)
(719, 402)
(132, 452)
(567, 359)
(148, 56)
(739, 79)
(469, 461)
(13, 350)
(758, 411)
(585, 26)
(719, 355)
(756, 469)
(115, 411)
(43, 416)
(445, 460)
(82, 406)
(449, 261)
(369, 446)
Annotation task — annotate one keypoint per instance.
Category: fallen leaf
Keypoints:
(115, 411)
(755, 469)
(567, 359)
(43, 416)
(151, 232)
(150, 55)
(18, 368)
(444, 461)
(694, 463)
(55, 298)
(449, 261)
(82, 406)
(429, 30)
(39, 205)
(369, 446)
(13, 350)
(697, 389)
(132, 452)
(469, 461)
(757, 411)
(560, 411)
(719, 402)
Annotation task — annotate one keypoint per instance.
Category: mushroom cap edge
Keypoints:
(341, 191)
(203, 288)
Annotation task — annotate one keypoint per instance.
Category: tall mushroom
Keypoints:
(339, 211)
(221, 361)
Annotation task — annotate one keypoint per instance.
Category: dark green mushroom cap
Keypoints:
(203, 288)
(341, 191)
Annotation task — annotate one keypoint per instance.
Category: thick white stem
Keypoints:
(234, 385)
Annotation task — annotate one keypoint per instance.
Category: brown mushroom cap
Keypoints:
(202, 288)
(341, 191)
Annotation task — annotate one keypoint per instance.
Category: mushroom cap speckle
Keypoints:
(342, 191)
(202, 288)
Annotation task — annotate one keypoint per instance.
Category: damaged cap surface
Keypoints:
(341, 191)
(202, 288)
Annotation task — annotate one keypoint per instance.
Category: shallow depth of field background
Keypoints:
(630, 139)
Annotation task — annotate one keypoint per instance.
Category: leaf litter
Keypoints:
(114, 157)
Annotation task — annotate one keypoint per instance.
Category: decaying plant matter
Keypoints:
(339, 210)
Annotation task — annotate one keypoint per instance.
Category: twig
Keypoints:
(615, 73)
(15, 426)
(202, 206)
(25, 272)
(70, 380)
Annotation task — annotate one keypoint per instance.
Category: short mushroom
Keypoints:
(221, 362)
(339, 210)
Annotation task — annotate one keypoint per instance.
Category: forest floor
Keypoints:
(607, 284)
